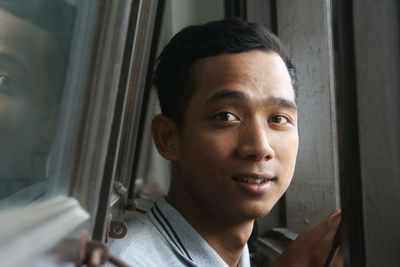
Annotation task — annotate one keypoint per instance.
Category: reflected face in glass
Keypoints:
(239, 141)
(25, 109)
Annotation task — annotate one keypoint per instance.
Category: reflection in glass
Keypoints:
(34, 44)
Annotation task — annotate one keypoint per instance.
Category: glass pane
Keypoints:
(36, 38)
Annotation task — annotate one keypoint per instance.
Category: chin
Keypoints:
(260, 214)
(256, 211)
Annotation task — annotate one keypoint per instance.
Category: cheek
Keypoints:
(5, 105)
(287, 143)
(22, 123)
(217, 146)
(291, 150)
(12, 113)
(287, 152)
(207, 152)
(287, 159)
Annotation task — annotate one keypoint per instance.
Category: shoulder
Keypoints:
(144, 245)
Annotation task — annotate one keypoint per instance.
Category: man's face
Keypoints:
(25, 51)
(239, 140)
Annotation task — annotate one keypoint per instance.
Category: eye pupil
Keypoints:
(3, 80)
(278, 119)
(8, 85)
(224, 116)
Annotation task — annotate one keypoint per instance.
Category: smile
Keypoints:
(255, 184)
(250, 180)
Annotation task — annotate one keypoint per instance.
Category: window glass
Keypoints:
(35, 88)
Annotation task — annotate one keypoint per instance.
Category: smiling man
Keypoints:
(229, 128)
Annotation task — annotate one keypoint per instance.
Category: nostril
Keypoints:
(256, 154)
(255, 142)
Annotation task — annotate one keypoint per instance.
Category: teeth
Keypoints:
(250, 180)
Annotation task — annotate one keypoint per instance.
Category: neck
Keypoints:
(227, 236)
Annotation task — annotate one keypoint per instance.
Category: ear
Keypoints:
(166, 137)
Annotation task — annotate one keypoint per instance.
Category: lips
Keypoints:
(255, 184)
(253, 178)
(250, 180)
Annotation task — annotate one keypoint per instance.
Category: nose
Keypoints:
(254, 143)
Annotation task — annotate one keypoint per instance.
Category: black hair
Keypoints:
(173, 77)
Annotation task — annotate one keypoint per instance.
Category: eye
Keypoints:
(226, 116)
(279, 119)
(9, 85)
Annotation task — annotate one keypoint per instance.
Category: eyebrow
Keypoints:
(239, 95)
(14, 61)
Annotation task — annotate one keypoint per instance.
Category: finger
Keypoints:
(336, 215)
(333, 220)
(339, 258)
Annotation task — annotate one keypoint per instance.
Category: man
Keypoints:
(229, 129)
(34, 40)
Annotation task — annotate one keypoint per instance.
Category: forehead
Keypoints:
(23, 40)
(27, 55)
(257, 73)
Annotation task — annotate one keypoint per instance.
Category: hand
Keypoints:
(313, 245)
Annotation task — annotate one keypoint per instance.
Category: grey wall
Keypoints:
(188, 12)
(377, 46)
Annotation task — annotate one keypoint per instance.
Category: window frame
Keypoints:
(65, 217)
